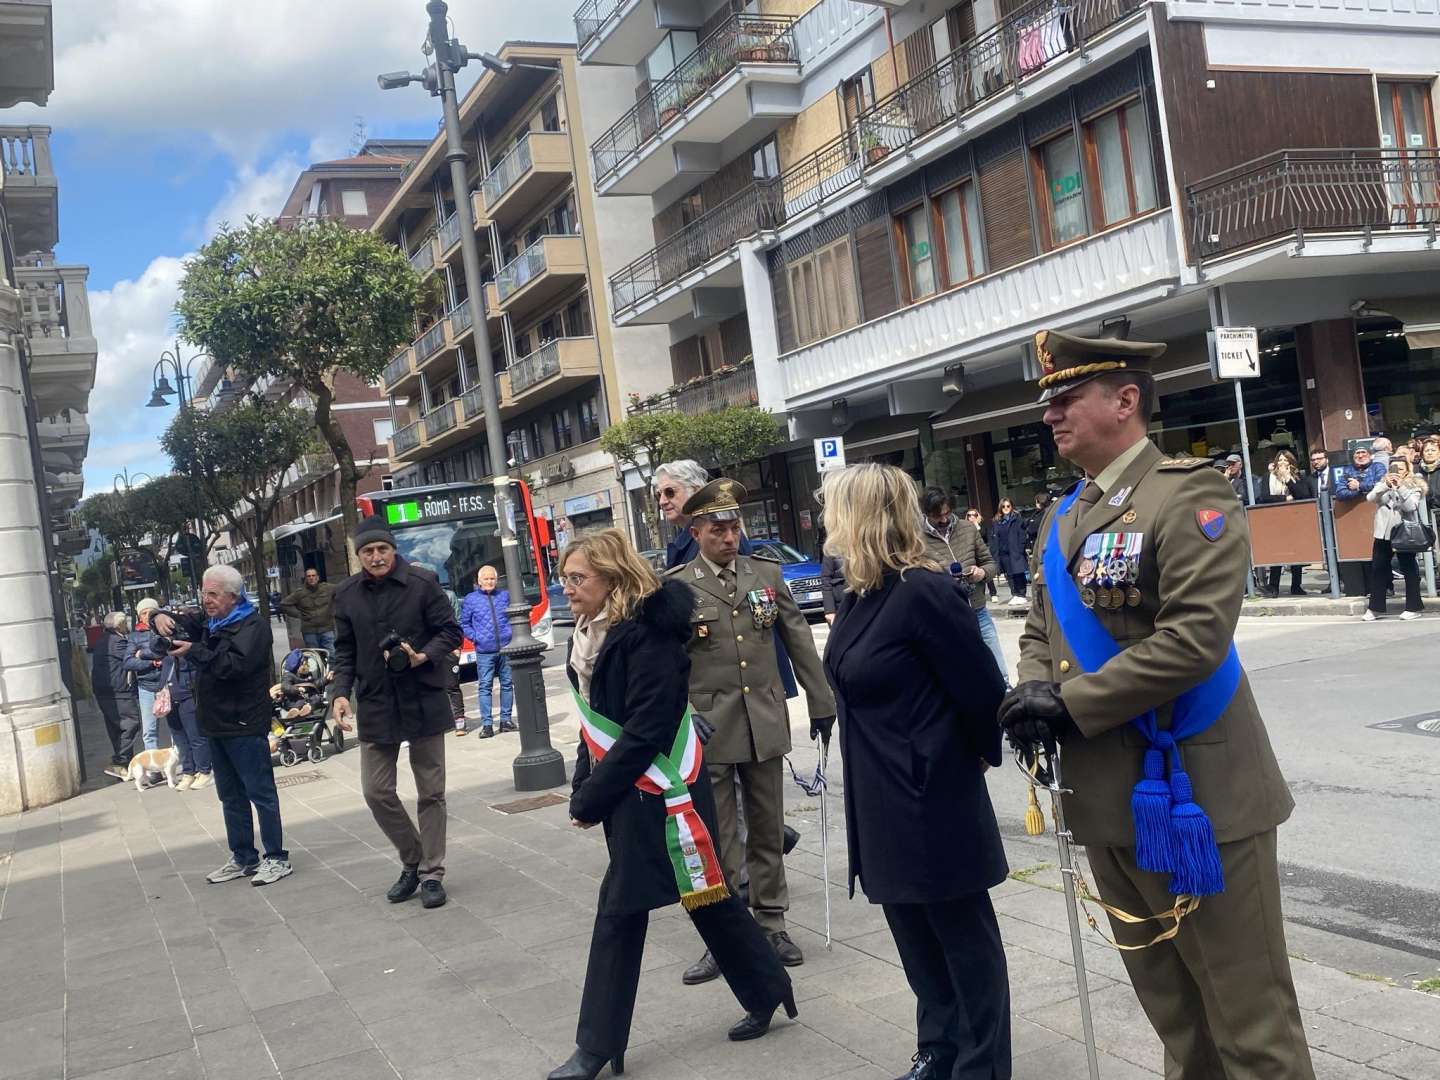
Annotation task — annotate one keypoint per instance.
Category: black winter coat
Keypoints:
(832, 584)
(642, 682)
(917, 692)
(107, 666)
(230, 674)
(1300, 487)
(1009, 545)
(412, 704)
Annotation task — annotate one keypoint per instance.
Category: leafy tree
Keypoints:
(116, 515)
(644, 442)
(729, 437)
(93, 586)
(169, 505)
(303, 303)
(239, 455)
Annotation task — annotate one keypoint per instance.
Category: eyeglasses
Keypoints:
(667, 492)
(574, 581)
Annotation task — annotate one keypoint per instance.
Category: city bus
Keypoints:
(452, 530)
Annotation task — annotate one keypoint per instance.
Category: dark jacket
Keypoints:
(684, 548)
(411, 704)
(962, 544)
(482, 617)
(917, 692)
(147, 673)
(107, 666)
(230, 674)
(179, 675)
(641, 682)
(315, 608)
(1300, 487)
(1032, 525)
(832, 584)
(1432, 484)
(1009, 544)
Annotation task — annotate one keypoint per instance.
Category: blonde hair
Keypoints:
(872, 517)
(611, 555)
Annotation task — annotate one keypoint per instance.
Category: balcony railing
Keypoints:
(535, 368)
(54, 302)
(449, 232)
(430, 342)
(407, 438)
(1300, 191)
(752, 211)
(422, 259)
(742, 39)
(502, 177)
(440, 419)
(988, 65)
(461, 318)
(718, 391)
(472, 402)
(397, 368)
(591, 16)
(521, 270)
(25, 151)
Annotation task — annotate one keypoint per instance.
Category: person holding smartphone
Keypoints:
(959, 549)
(1399, 496)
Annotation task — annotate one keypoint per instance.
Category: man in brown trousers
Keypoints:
(1156, 550)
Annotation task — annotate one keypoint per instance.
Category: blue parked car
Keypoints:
(802, 575)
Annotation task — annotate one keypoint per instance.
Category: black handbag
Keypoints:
(1412, 536)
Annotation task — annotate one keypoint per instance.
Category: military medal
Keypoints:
(1132, 597)
(763, 608)
(1086, 570)
(1087, 596)
(1117, 598)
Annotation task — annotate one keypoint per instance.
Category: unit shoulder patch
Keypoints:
(1184, 464)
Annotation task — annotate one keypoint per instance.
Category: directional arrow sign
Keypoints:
(1237, 352)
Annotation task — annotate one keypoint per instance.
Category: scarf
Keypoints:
(585, 644)
(1277, 486)
(243, 606)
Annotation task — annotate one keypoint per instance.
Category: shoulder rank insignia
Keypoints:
(674, 570)
(1211, 522)
(1184, 463)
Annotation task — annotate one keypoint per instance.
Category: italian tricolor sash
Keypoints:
(692, 852)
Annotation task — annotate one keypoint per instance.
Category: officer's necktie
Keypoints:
(1089, 496)
(727, 576)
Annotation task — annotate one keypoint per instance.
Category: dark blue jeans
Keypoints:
(320, 639)
(185, 733)
(489, 667)
(244, 777)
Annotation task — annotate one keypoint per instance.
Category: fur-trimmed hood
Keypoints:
(667, 611)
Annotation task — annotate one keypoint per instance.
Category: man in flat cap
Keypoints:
(741, 605)
(1127, 660)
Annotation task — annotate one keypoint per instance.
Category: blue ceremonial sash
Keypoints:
(1172, 833)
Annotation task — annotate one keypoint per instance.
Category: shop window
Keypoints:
(917, 253)
(822, 292)
(1122, 170)
(589, 410)
(959, 213)
(1062, 200)
(560, 426)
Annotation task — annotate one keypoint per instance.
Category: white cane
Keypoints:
(825, 833)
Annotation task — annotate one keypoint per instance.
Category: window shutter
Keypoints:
(846, 307)
(1005, 211)
(800, 303)
(961, 22)
(878, 295)
(784, 313)
(919, 52)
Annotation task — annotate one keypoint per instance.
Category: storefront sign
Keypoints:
(830, 453)
(588, 504)
(1237, 352)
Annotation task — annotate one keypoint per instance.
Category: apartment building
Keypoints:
(562, 367)
(47, 370)
(879, 206)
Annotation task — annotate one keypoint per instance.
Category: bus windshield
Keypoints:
(456, 550)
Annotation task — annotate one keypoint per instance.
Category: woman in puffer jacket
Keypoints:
(1400, 494)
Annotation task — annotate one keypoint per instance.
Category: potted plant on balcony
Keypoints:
(671, 110)
(779, 51)
(752, 50)
(872, 147)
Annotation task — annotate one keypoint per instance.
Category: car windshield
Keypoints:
(783, 552)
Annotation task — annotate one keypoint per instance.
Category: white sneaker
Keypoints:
(271, 871)
(1369, 616)
(229, 872)
(1018, 601)
(1408, 615)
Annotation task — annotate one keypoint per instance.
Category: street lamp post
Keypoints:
(161, 390)
(538, 765)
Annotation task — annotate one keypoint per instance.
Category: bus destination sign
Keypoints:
(446, 507)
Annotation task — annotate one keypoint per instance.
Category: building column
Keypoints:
(764, 336)
(1332, 386)
(978, 470)
(39, 763)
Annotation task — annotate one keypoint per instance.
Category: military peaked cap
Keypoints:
(718, 500)
(1068, 361)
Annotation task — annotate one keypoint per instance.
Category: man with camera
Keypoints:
(394, 632)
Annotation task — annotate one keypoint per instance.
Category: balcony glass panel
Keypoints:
(535, 368)
(450, 232)
(512, 166)
(407, 438)
(431, 341)
(397, 368)
(521, 270)
(440, 419)
(423, 257)
(460, 318)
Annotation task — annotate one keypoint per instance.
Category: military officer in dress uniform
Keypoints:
(1151, 555)
(741, 605)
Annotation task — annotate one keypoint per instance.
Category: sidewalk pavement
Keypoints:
(121, 962)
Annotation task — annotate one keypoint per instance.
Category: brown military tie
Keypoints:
(1089, 496)
(727, 577)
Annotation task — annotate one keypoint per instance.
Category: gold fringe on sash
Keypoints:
(705, 897)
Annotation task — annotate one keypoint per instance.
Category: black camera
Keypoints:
(183, 630)
(398, 659)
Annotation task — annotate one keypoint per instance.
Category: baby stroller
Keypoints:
(300, 725)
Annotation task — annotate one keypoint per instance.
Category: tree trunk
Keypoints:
(334, 436)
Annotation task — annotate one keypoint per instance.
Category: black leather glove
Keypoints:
(821, 727)
(703, 729)
(1033, 714)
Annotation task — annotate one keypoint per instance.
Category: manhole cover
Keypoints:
(1424, 724)
(535, 802)
(295, 778)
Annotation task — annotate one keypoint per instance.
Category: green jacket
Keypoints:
(315, 608)
(964, 546)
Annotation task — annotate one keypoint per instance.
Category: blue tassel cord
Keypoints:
(1197, 869)
(1150, 804)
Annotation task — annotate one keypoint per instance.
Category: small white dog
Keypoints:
(165, 761)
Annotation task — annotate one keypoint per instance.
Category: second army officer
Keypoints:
(741, 605)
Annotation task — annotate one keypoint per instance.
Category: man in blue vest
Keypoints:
(1127, 659)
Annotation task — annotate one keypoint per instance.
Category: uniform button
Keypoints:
(746, 689)
(744, 664)
(739, 637)
(1064, 666)
(735, 612)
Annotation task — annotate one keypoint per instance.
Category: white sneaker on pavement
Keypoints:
(271, 871)
(1018, 601)
(1369, 616)
(1408, 615)
(200, 780)
(229, 872)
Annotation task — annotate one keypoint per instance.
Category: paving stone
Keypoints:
(1405, 1014)
(1067, 1060)
(1120, 1027)
(235, 1053)
(365, 1065)
(181, 1065)
(1411, 1062)
(790, 1050)
(446, 1030)
(311, 1030)
(33, 1044)
(90, 1051)
(1317, 986)
(1346, 1040)
(863, 1034)
(544, 1002)
(216, 1010)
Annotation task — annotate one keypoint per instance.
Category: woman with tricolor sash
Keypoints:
(638, 773)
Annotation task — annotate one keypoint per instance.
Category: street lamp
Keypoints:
(538, 765)
(127, 479)
(161, 391)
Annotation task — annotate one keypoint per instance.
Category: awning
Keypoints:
(1420, 314)
(884, 435)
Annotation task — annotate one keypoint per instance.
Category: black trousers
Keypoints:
(1380, 556)
(1294, 578)
(122, 723)
(612, 977)
(955, 964)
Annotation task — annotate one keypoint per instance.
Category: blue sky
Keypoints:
(171, 116)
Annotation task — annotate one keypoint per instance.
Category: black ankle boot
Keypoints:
(755, 1024)
(584, 1065)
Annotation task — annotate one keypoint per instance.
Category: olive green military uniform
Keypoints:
(735, 686)
(1219, 994)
